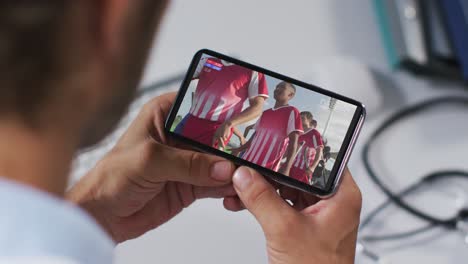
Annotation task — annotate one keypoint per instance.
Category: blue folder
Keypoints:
(455, 14)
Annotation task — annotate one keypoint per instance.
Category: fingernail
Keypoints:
(221, 171)
(242, 178)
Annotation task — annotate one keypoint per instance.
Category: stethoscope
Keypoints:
(457, 222)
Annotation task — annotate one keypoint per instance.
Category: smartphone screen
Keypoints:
(296, 133)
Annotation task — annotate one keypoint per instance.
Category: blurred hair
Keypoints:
(37, 51)
(284, 84)
(308, 115)
(29, 39)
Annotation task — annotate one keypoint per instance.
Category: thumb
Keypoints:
(261, 199)
(162, 163)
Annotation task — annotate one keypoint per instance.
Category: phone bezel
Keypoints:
(343, 154)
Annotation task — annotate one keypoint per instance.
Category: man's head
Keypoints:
(306, 118)
(73, 64)
(284, 92)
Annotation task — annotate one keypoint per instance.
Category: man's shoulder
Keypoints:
(286, 108)
(316, 132)
(52, 225)
(290, 108)
(311, 133)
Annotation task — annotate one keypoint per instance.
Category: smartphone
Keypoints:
(292, 132)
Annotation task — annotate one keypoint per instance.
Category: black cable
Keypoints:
(396, 236)
(370, 216)
(450, 223)
(370, 254)
(431, 178)
(397, 198)
(160, 84)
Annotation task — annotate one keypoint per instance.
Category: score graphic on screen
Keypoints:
(213, 65)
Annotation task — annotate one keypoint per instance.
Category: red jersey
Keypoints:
(309, 142)
(223, 88)
(202, 130)
(271, 135)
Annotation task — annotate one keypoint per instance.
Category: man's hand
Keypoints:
(251, 112)
(290, 154)
(144, 181)
(242, 140)
(310, 171)
(221, 135)
(283, 170)
(309, 231)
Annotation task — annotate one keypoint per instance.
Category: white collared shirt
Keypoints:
(36, 227)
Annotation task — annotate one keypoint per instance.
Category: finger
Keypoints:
(300, 199)
(261, 199)
(343, 208)
(214, 192)
(233, 203)
(150, 121)
(187, 193)
(221, 143)
(216, 139)
(160, 110)
(165, 163)
(180, 145)
(213, 142)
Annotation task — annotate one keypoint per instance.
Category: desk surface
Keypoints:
(288, 38)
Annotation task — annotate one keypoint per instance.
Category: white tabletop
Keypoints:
(291, 37)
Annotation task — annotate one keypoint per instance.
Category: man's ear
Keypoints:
(98, 32)
(110, 21)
